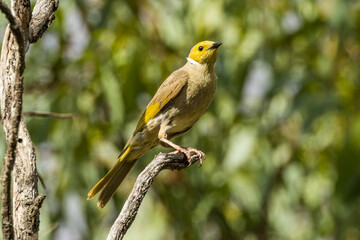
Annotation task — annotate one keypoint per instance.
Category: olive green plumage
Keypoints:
(178, 103)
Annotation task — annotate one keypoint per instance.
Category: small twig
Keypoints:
(36, 204)
(41, 180)
(50, 114)
(143, 182)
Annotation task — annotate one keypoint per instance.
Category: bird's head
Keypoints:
(205, 52)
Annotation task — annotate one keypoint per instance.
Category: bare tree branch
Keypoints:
(143, 182)
(13, 116)
(43, 15)
(9, 159)
(50, 114)
(20, 220)
(14, 22)
(16, 30)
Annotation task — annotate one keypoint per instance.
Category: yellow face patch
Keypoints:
(202, 53)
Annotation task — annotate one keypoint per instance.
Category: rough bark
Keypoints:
(43, 15)
(20, 220)
(143, 182)
(11, 70)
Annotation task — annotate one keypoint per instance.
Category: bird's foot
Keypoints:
(185, 150)
(189, 151)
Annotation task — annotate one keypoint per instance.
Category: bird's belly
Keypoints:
(147, 138)
(183, 121)
(189, 113)
(179, 117)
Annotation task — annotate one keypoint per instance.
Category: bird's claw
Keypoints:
(200, 154)
(189, 150)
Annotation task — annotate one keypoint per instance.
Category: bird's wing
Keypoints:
(168, 90)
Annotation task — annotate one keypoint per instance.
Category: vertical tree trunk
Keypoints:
(26, 199)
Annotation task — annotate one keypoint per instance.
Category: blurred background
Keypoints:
(282, 136)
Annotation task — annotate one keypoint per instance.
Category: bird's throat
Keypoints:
(192, 61)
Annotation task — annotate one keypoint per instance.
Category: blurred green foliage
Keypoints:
(282, 135)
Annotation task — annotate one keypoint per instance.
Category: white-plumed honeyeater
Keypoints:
(178, 103)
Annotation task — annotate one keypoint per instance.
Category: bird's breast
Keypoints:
(192, 102)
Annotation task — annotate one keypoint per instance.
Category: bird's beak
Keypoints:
(215, 45)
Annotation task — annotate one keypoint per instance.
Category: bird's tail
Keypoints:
(111, 181)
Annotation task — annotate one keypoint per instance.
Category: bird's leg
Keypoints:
(167, 143)
(186, 150)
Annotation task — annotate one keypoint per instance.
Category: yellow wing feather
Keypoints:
(168, 90)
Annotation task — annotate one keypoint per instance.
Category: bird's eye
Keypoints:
(200, 48)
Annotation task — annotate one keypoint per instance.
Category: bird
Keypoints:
(177, 105)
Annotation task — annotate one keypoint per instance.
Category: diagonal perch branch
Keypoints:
(143, 182)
